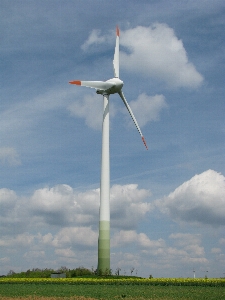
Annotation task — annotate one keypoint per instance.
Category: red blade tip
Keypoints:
(117, 31)
(77, 82)
(143, 139)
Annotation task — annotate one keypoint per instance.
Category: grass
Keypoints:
(48, 291)
(46, 298)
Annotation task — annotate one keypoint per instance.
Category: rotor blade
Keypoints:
(116, 54)
(133, 117)
(102, 85)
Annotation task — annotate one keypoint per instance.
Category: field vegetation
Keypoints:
(106, 288)
(83, 284)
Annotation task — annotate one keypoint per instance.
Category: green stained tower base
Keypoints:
(104, 248)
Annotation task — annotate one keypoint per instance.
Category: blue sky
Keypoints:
(167, 203)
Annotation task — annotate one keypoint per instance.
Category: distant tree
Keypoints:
(46, 273)
(11, 272)
(81, 271)
(36, 270)
(131, 271)
(63, 269)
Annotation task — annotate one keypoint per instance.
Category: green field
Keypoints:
(47, 290)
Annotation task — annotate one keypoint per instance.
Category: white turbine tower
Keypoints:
(105, 88)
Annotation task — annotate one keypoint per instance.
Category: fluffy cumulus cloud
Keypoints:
(201, 200)
(191, 243)
(186, 245)
(153, 51)
(157, 52)
(62, 228)
(74, 236)
(141, 239)
(59, 226)
(180, 250)
(63, 221)
(147, 108)
(62, 206)
(128, 205)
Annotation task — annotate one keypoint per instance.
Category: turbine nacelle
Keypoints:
(116, 86)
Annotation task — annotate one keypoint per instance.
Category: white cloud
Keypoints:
(128, 205)
(189, 243)
(157, 52)
(71, 233)
(95, 37)
(76, 237)
(64, 222)
(9, 156)
(54, 204)
(185, 251)
(21, 240)
(147, 108)
(153, 51)
(46, 239)
(201, 199)
(126, 237)
(91, 109)
(61, 205)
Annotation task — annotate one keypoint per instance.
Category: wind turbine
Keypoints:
(106, 88)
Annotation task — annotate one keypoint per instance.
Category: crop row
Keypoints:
(121, 281)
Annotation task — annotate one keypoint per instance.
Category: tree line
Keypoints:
(46, 273)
